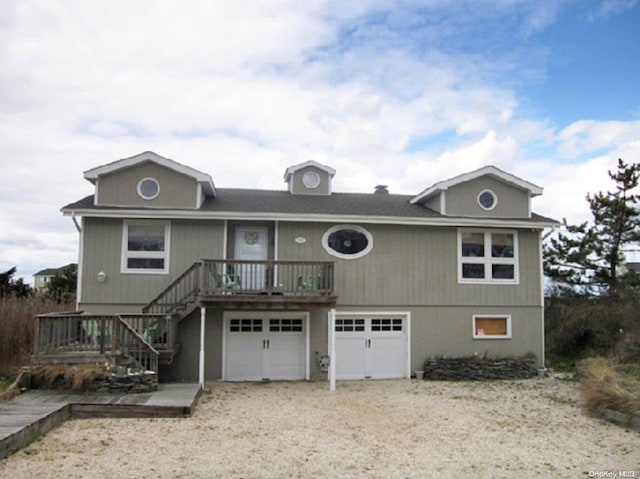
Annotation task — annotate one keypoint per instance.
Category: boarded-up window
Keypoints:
(491, 327)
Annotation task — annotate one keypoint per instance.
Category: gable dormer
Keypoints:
(149, 180)
(309, 178)
(487, 192)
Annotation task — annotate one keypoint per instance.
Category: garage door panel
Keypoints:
(244, 356)
(350, 357)
(286, 357)
(388, 357)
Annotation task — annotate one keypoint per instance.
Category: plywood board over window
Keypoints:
(492, 326)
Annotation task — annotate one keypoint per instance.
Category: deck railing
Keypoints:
(159, 330)
(210, 278)
(64, 334)
(134, 346)
(282, 278)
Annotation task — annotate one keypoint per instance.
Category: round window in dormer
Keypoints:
(148, 188)
(311, 179)
(487, 200)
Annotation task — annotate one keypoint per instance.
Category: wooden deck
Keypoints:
(33, 414)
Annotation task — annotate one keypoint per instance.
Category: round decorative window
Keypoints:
(347, 241)
(148, 188)
(487, 200)
(311, 179)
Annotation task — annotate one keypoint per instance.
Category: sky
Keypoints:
(403, 93)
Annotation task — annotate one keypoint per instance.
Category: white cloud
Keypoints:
(404, 93)
(586, 136)
(608, 8)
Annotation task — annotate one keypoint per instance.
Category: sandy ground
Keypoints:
(381, 429)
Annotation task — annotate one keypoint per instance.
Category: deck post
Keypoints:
(36, 336)
(203, 316)
(332, 349)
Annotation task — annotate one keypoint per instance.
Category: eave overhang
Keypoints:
(536, 223)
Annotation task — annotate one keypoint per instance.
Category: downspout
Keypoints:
(332, 349)
(203, 316)
(75, 222)
(80, 261)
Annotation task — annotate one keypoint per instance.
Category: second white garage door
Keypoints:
(372, 347)
(262, 346)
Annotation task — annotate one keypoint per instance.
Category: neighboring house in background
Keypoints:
(255, 277)
(632, 266)
(42, 278)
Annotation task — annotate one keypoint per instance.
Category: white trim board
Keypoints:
(320, 218)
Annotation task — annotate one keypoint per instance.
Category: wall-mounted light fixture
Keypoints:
(102, 276)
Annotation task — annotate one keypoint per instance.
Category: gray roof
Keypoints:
(52, 271)
(264, 202)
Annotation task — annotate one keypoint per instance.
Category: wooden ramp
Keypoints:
(36, 412)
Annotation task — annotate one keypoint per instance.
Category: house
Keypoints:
(265, 284)
(41, 278)
(631, 266)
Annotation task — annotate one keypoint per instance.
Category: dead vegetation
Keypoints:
(75, 377)
(17, 329)
(605, 384)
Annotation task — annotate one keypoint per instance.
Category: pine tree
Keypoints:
(587, 257)
(9, 286)
(63, 285)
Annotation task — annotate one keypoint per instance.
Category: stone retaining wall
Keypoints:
(631, 421)
(479, 369)
(127, 383)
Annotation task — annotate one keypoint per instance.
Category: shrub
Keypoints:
(580, 326)
(604, 384)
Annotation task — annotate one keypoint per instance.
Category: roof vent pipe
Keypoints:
(381, 190)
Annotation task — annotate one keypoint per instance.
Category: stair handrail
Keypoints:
(148, 361)
(158, 301)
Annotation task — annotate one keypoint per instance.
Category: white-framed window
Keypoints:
(145, 247)
(491, 326)
(347, 241)
(148, 188)
(488, 256)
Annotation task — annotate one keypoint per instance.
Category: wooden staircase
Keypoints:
(134, 342)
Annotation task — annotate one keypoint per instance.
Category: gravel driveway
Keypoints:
(385, 429)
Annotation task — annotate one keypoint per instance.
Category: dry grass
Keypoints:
(17, 328)
(604, 384)
(60, 375)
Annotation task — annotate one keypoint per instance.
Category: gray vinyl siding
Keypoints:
(462, 199)
(298, 188)
(185, 365)
(435, 331)
(190, 241)
(435, 203)
(120, 188)
(413, 265)
(448, 331)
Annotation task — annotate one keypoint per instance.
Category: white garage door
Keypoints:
(371, 347)
(259, 347)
